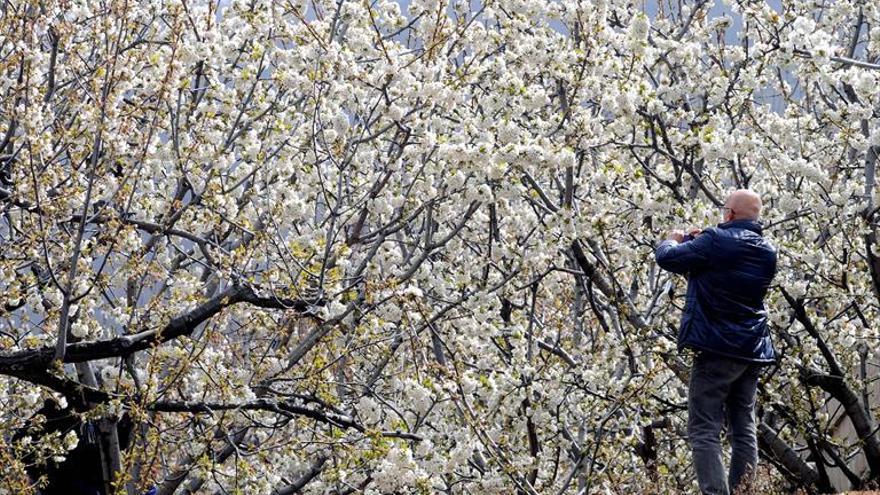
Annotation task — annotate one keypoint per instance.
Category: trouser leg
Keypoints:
(706, 396)
(743, 437)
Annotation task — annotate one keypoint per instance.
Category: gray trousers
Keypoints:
(720, 390)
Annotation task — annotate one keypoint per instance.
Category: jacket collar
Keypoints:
(753, 225)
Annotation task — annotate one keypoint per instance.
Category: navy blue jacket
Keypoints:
(729, 270)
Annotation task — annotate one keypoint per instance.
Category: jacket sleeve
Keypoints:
(686, 256)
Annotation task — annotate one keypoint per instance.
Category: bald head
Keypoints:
(744, 205)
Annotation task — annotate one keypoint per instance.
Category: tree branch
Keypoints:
(286, 408)
(32, 361)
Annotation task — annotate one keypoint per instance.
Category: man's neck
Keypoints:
(749, 223)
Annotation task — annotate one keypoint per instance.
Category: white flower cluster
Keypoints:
(396, 471)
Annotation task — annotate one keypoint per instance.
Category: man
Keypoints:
(729, 270)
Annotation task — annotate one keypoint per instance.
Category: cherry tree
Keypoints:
(341, 246)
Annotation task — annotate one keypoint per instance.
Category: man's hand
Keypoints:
(695, 231)
(675, 235)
